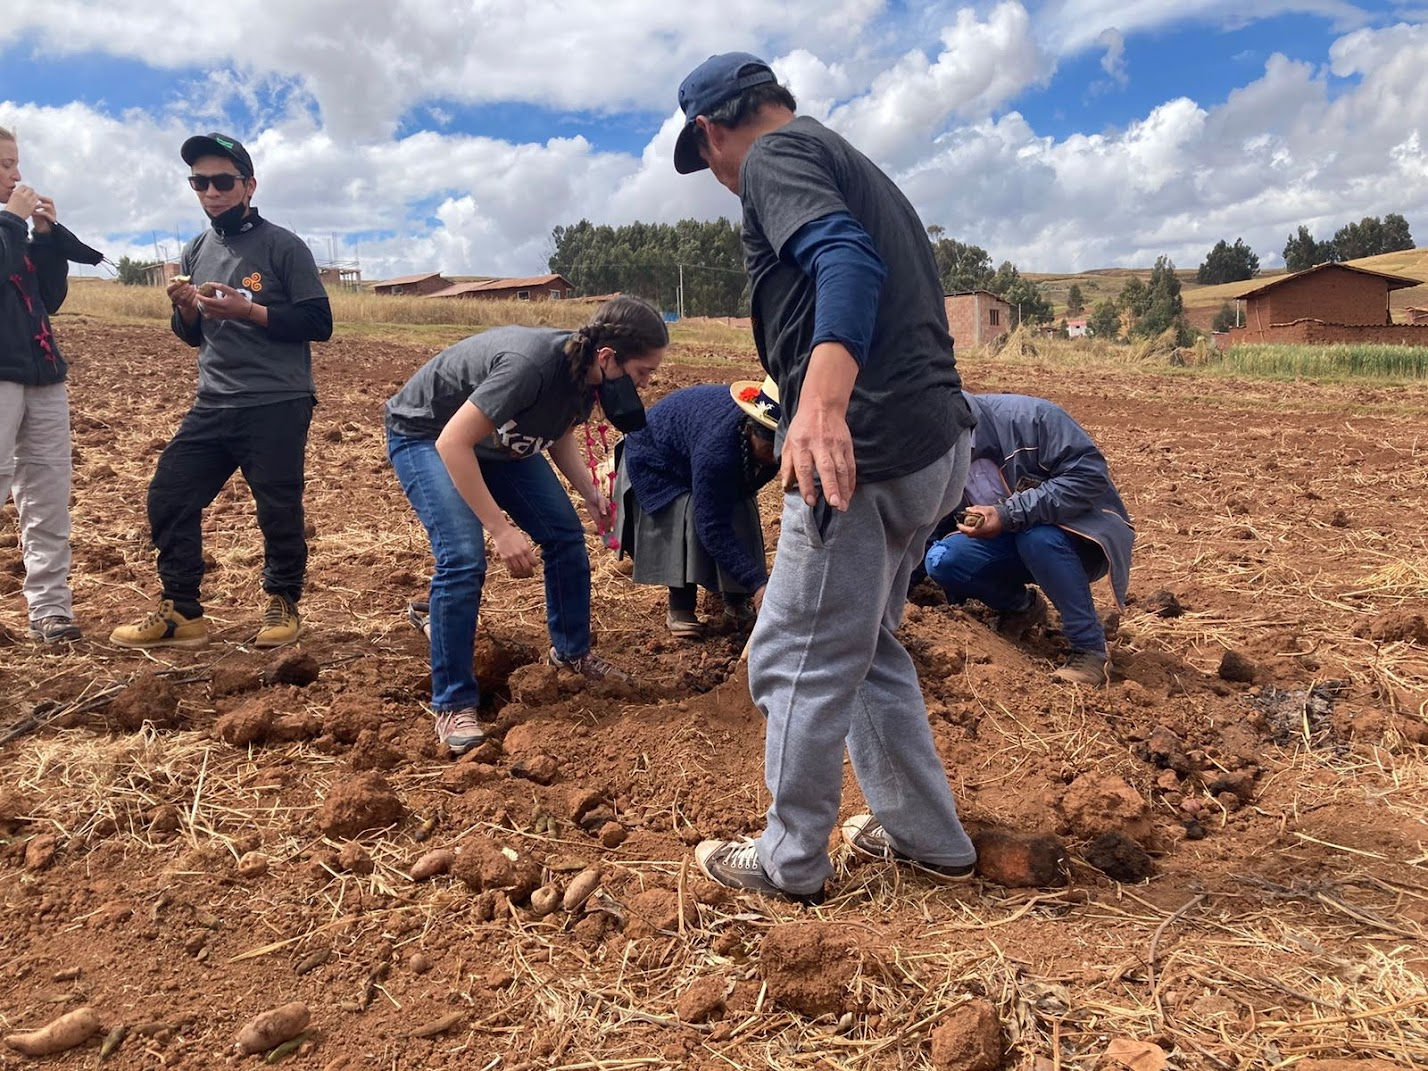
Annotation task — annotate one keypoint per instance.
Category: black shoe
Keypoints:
(1019, 624)
(735, 864)
(869, 840)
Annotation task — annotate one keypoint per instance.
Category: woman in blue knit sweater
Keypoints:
(685, 498)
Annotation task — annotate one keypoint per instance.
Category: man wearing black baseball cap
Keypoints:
(849, 320)
(250, 299)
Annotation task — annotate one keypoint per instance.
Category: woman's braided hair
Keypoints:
(628, 325)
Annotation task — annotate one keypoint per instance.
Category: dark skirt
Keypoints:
(664, 545)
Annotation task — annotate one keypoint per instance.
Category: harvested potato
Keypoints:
(208, 289)
(437, 861)
(71, 1029)
(273, 1027)
(580, 889)
(183, 278)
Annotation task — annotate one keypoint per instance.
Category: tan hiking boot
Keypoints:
(1085, 667)
(164, 627)
(281, 624)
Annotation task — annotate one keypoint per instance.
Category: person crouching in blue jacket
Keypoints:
(685, 498)
(1039, 508)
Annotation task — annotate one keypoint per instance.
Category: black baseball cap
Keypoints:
(717, 79)
(217, 144)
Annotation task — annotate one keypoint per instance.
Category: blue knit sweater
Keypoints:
(693, 444)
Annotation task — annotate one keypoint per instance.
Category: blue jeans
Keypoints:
(530, 493)
(996, 572)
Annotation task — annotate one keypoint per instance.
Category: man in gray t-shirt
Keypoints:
(849, 320)
(250, 299)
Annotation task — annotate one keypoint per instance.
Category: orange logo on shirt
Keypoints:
(253, 282)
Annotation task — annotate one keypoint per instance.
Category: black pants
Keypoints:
(268, 443)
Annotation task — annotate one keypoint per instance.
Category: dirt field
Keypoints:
(211, 842)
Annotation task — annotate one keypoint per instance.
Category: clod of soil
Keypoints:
(1100, 803)
(245, 725)
(809, 967)
(358, 804)
(1162, 603)
(656, 911)
(355, 859)
(233, 680)
(349, 715)
(1236, 668)
(297, 668)
(540, 768)
(40, 851)
(1166, 749)
(13, 808)
(969, 1038)
(1119, 858)
(485, 866)
(1396, 626)
(1017, 861)
(148, 698)
(702, 1001)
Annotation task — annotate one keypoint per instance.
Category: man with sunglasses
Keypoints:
(251, 301)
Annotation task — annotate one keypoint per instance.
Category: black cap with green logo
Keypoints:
(217, 144)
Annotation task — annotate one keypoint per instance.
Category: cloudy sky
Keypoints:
(454, 134)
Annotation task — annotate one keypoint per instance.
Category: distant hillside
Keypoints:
(1202, 302)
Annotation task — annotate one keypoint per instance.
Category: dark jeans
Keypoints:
(530, 493)
(268, 444)
(996, 571)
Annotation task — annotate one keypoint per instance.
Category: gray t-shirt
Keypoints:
(518, 376)
(907, 407)
(239, 363)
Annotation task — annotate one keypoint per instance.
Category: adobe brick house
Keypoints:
(412, 285)
(535, 288)
(977, 316)
(1327, 303)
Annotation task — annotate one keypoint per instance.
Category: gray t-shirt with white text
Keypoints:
(518, 376)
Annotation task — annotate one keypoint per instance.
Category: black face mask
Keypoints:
(621, 403)
(232, 221)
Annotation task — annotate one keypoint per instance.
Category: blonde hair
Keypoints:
(6, 134)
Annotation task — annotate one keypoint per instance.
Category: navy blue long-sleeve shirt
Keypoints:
(693, 444)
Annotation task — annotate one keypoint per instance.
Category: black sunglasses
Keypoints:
(222, 182)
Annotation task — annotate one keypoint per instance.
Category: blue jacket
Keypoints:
(1054, 474)
(692, 445)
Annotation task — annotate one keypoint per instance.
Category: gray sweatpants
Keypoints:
(826, 670)
(35, 468)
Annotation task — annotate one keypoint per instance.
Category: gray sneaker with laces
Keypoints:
(590, 666)
(459, 730)
(54, 629)
(735, 865)
(869, 840)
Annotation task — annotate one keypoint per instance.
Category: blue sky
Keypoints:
(1064, 134)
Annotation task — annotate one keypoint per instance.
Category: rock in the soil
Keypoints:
(60, 1035)
(148, 698)
(702, 1001)
(810, 967)
(1099, 803)
(1162, 603)
(420, 963)
(248, 724)
(1236, 668)
(1119, 858)
(1238, 783)
(298, 668)
(969, 1038)
(358, 804)
(437, 861)
(1017, 861)
(355, 859)
(612, 835)
(485, 866)
(272, 1028)
(252, 865)
(40, 851)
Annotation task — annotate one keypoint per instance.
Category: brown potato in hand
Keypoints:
(208, 289)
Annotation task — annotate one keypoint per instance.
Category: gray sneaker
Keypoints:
(54, 629)
(419, 616)
(735, 865)
(590, 666)
(459, 730)
(869, 840)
